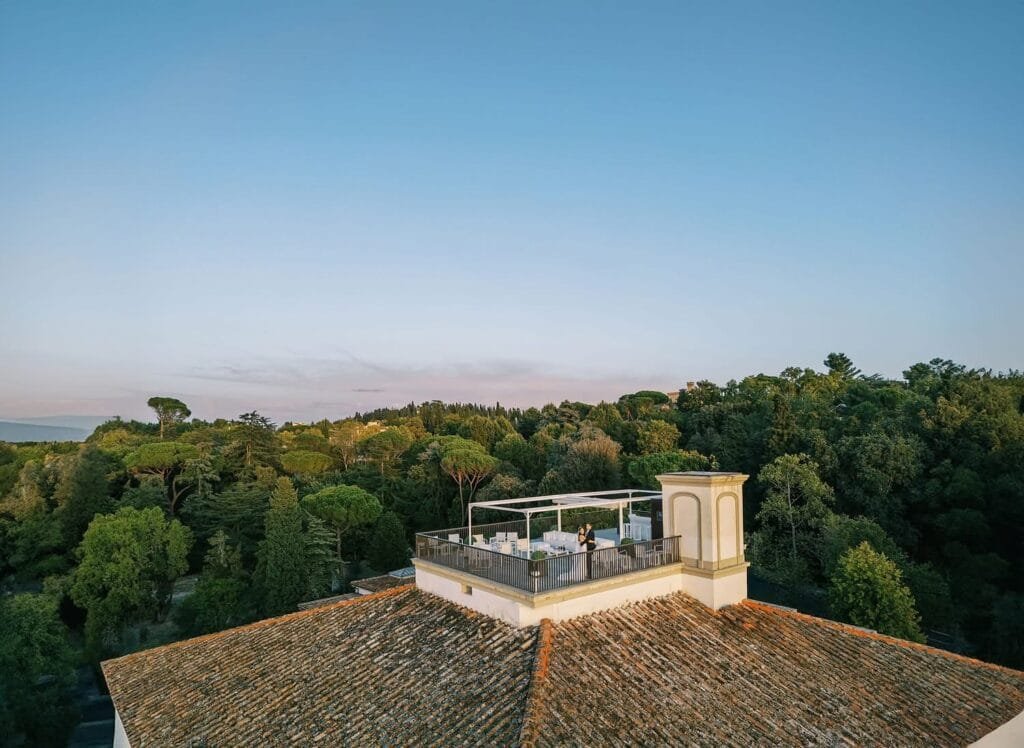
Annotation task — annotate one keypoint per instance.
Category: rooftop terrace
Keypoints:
(535, 553)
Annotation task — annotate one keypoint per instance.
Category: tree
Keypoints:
(129, 562)
(643, 404)
(83, 495)
(877, 469)
(867, 590)
(346, 435)
(198, 474)
(841, 533)
(37, 672)
(520, 454)
(216, 603)
(164, 459)
(782, 438)
(657, 436)
(840, 366)
(505, 486)
(149, 492)
(931, 593)
(792, 516)
(607, 417)
(590, 463)
(644, 470)
(220, 598)
(239, 511)
(342, 508)
(468, 468)
(389, 548)
(1008, 630)
(321, 567)
(281, 567)
(304, 462)
(255, 437)
(27, 494)
(385, 446)
(37, 544)
(485, 431)
(169, 411)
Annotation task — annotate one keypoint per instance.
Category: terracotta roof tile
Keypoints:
(403, 667)
(324, 601)
(671, 670)
(396, 668)
(383, 582)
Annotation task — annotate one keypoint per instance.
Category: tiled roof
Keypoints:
(324, 601)
(377, 584)
(403, 667)
(396, 668)
(671, 670)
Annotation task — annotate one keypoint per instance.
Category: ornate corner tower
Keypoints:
(706, 510)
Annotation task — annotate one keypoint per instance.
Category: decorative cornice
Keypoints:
(702, 479)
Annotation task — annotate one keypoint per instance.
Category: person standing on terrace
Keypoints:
(591, 544)
(581, 546)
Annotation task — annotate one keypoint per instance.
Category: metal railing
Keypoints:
(551, 573)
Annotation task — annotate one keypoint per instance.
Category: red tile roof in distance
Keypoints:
(381, 583)
(402, 667)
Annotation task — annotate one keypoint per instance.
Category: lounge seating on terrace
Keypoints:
(553, 543)
(557, 565)
(539, 551)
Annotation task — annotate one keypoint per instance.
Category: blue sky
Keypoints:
(313, 208)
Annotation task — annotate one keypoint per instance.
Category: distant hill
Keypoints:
(33, 432)
(88, 423)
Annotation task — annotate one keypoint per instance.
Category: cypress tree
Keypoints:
(281, 569)
(83, 495)
(389, 549)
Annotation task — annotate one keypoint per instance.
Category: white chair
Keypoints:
(501, 537)
(512, 536)
(522, 544)
(479, 540)
(454, 538)
(505, 548)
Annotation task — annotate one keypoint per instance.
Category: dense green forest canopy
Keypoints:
(909, 492)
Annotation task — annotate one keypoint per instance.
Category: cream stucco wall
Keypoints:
(716, 589)
(120, 736)
(1009, 735)
(519, 608)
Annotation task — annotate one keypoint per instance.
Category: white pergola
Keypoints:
(557, 502)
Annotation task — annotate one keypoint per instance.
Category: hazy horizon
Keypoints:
(321, 208)
(210, 409)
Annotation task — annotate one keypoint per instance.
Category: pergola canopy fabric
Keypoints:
(557, 502)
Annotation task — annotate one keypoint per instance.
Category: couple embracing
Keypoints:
(587, 542)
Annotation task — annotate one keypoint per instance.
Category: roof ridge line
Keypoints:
(874, 635)
(260, 624)
(529, 733)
